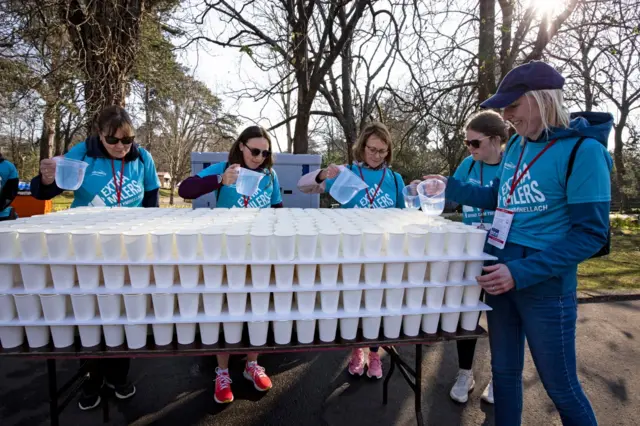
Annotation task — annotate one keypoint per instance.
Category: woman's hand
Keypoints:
(48, 171)
(497, 281)
(230, 175)
(437, 185)
(330, 172)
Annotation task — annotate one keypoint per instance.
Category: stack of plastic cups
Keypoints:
(59, 248)
(162, 243)
(13, 336)
(55, 308)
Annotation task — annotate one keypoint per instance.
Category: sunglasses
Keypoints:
(474, 142)
(112, 140)
(256, 152)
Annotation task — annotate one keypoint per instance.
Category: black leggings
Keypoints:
(467, 349)
(112, 370)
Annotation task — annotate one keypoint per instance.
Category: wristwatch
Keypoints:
(219, 179)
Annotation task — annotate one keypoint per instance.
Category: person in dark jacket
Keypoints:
(8, 188)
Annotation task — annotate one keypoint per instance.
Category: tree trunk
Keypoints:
(618, 160)
(486, 50)
(173, 189)
(48, 132)
(147, 116)
(59, 138)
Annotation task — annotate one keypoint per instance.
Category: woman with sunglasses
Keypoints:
(486, 132)
(119, 173)
(252, 150)
(373, 153)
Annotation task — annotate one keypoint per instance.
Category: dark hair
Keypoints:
(111, 119)
(235, 154)
(381, 131)
(489, 123)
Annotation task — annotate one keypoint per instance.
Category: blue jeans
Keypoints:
(549, 325)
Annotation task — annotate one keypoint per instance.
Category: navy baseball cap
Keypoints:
(535, 75)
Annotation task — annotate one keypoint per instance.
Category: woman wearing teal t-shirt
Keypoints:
(373, 153)
(251, 150)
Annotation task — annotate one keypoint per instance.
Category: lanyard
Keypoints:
(517, 180)
(246, 201)
(481, 185)
(375, 194)
(115, 182)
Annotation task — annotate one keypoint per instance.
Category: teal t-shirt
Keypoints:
(98, 187)
(7, 171)
(267, 195)
(481, 174)
(543, 188)
(389, 194)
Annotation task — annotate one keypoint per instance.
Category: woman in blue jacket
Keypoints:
(553, 189)
(120, 173)
(8, 189)
(373, 153)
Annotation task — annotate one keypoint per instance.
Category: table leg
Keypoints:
(418, 385)
(392, 368)
(53, 392)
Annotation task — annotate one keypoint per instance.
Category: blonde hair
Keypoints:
(381, 131)
(551, 105)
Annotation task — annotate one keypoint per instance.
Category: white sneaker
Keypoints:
(487, 395)
(463, 386)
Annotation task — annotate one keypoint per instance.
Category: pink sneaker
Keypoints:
(375, 366)
(356, 364)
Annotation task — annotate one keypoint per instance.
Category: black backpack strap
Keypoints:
(572, 159)
(395, 181)
(226, 166)
(473, 163)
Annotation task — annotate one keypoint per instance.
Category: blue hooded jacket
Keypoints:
(558, 222)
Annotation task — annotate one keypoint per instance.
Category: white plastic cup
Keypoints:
(260, 276)
(189, 275)
(112, 245)
(8, 276)
(162, 243)
(213, 275)
(473, 270)
(450, 322)
(284, 276)
(285, 241)
(453, 296)
(90, 335)
(163, 334)
(373, 299)
(456, 271)
(329, 301)
(136, 244)
(391, 325)
(209, 333)
(63, 336)
(212, 304)
(54, 306)
(260, 244)
(395, 243)
(85, 245)
(430, 323)
(329, 275)
(306, 301)
(8, 244)
(373, 273)
(282, 331)
(328, 329)
(84, 306)
(140, 275)
(416, 242)
(32, 243)
(113, 335)
(260, 303)
(7, 307)
(110, 306)
(11, 337)
(232, 332)
(37, 335)
(237, 275)
(307, 244)
(438, 272)
(351, 300)
(455, 241)
(187, 243)
(28, 307)
(113, 276)
(469, 320)
(237, 303)
(351, 273)
(435, 296)
(414, 297)
(329, 243)
(475, 239)
(88, 276)
(471, 295)
(349, 328)
(236, 243)
(393, 273)
(136, 335)
(212, 244)
(393, 298)
(436, 242)
(258, 331)
(58, 244)
(136, 306)
(186, 333)
(305, 330)
(163, 305)
(371, 327)
(416, 272)
(189, 304)
(282, 302)
(373, 238)
(411, 325)
(306, 275)
(351, 244)
(34, 277)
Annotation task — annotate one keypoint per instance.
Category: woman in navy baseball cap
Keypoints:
(551, 197)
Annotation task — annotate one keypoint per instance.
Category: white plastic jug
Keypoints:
(431, 193)
(248, 182)
(69, 173)
(346, 186)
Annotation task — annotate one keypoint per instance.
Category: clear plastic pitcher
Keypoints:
(69, 173)
(248, 182)
(431, 193)
(411, 198)
(346, 186)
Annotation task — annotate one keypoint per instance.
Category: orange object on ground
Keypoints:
(27, 206)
